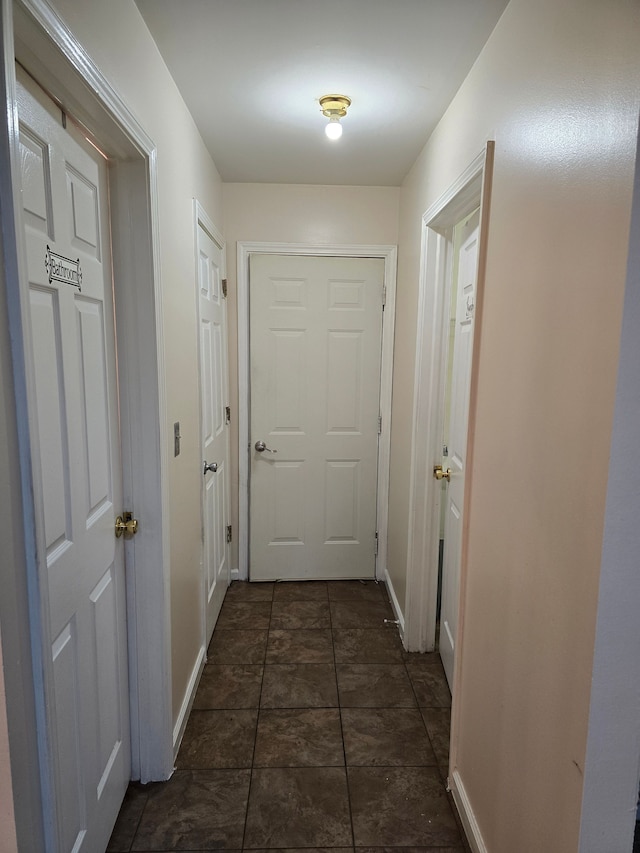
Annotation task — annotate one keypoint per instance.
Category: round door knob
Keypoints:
(126, 525)
(439, 474)
(210, 466)
(260, 446)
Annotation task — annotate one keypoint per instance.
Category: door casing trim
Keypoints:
(389, 254)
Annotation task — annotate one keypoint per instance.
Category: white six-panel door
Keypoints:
(76, 430)
(214, 430)
(315, 353)
(457, 440)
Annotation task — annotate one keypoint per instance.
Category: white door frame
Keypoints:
(463, 196)
(389, 254)
(204, 221)
(34, 35)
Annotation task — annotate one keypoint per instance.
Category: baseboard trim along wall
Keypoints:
(394, 603)
(469, 822)
(187, 702)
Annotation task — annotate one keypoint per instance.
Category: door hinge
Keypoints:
(224, 286)
(384, 295)
(227, 411)
(229, 533)
(376, 545)
(379, 424)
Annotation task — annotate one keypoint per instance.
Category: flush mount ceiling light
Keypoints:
(334, 107)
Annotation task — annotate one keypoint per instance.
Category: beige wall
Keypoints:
(117, 39)
(558, 88)
(293, 213)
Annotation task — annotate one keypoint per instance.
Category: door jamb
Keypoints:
(389, 255)
(462, 197)
(50, 51)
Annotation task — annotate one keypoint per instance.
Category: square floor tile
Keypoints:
(367, 645)
(300, 737)
(357, 590)
(245, 591)
(401, 807)
(386, 737)
(299, 647)
(131, 810)
(237, 615)
(307, 615)
(437, 722)
(374, 686)
(300, 591)
(195, 810)
(430, 685)
(229, 686)
(299, 685)
(218, 739)
(246, 647)
(359, 614)
(291, 807)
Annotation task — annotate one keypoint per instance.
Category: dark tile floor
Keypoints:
(311, 728)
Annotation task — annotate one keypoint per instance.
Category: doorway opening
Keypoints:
(215, 417)
(446, 220)
(37, 39)
(388, 255)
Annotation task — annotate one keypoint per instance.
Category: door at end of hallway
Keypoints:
(315, 354)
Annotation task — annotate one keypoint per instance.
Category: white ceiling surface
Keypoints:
(251, 73)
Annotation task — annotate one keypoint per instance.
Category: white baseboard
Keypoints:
(394, 603)
(469, 822)
(234, 575)
(187, 702)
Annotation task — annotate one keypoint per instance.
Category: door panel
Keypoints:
(215, 439)
(76, 429)
(467, 263)
(315, 342)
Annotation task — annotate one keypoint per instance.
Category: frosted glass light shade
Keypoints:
(333, 129)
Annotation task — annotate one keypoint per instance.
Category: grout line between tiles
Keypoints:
(420, 708)
(255, 734)
(344, 750)
(139, 821)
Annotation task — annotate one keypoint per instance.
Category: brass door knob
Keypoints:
(126, 525)
(439, 474)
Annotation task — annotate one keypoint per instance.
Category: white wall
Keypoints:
(295, 213)
(613, 749)
(558, 88)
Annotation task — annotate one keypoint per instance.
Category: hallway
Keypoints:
(311, 728)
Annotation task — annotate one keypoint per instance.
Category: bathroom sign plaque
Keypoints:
(63, 269)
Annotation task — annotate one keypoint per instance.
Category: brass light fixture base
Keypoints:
(334, 106)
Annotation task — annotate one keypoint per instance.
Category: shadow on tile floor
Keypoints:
(311, 729)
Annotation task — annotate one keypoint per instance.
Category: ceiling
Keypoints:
(251, 73)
